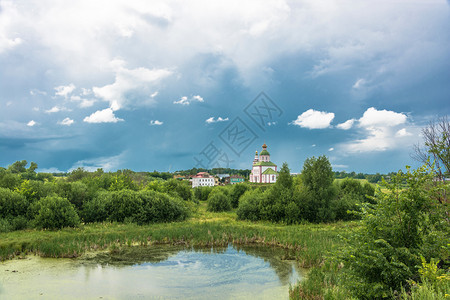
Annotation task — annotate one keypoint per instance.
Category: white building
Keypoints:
(263, 171)
(202, 179)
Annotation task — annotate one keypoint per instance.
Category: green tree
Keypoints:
(317, 178)
(284, 177)
(18, 167)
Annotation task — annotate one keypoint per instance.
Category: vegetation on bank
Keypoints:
(309, 242)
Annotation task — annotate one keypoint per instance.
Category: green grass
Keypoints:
(309, 242)
(362, 181)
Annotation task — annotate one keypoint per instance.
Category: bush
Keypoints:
(384, 255)
(55, 212)
(97, 209)
(202, 192)
(249, 204)
(124, 203)
(159, 207)
(12, 204)
(76, 192)
(34, 190)
(236, 192)
(218, 201)
(5, 226)
(8, 180)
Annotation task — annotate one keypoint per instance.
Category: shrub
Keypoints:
(124, 203)
(292, 213)
(8, 180)
(384, 255)
(218, 201)
(236, 192)
(5, 226)
(159, 207)
(97, 209)
(34, 190)
(12, 204)
(249, 204)
(55, 212)
(202, 192)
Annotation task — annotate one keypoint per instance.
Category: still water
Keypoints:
(156, 272)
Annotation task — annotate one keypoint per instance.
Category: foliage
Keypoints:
(9, 180)
(159, 207)
(201, 193)
(12, 204)
(122, 182)
(55, 212)
(317, 180)
(218, 201)
(98, 208)
(351, 195)
(124, 204)
(383, 256)
(284, 177)
(249, 205)
(236, 192)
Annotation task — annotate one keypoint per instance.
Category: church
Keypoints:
(263, 171)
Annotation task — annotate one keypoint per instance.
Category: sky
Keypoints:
(171, 85)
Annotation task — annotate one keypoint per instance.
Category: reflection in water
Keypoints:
(163, 272)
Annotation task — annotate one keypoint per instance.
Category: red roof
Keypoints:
(202, 175)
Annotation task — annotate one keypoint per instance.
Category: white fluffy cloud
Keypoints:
(102, 116)
(373, 117)
(186, 101)
(66, 122)
(346, 125)
(314, 119)
(380, 131)
(64, 90)
(156, 123)
(132, 87)
(219, 119)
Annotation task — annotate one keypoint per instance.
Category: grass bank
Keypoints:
(309, 242)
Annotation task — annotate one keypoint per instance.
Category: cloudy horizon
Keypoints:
(169, 85)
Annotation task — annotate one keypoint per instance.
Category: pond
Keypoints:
(161, 272)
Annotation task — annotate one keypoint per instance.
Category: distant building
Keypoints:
(263, 171)
(221, 176)
(236, 179)
(202, 179)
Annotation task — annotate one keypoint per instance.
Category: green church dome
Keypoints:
(264, 152)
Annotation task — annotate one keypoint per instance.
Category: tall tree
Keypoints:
(284, 177)
(317, 177)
